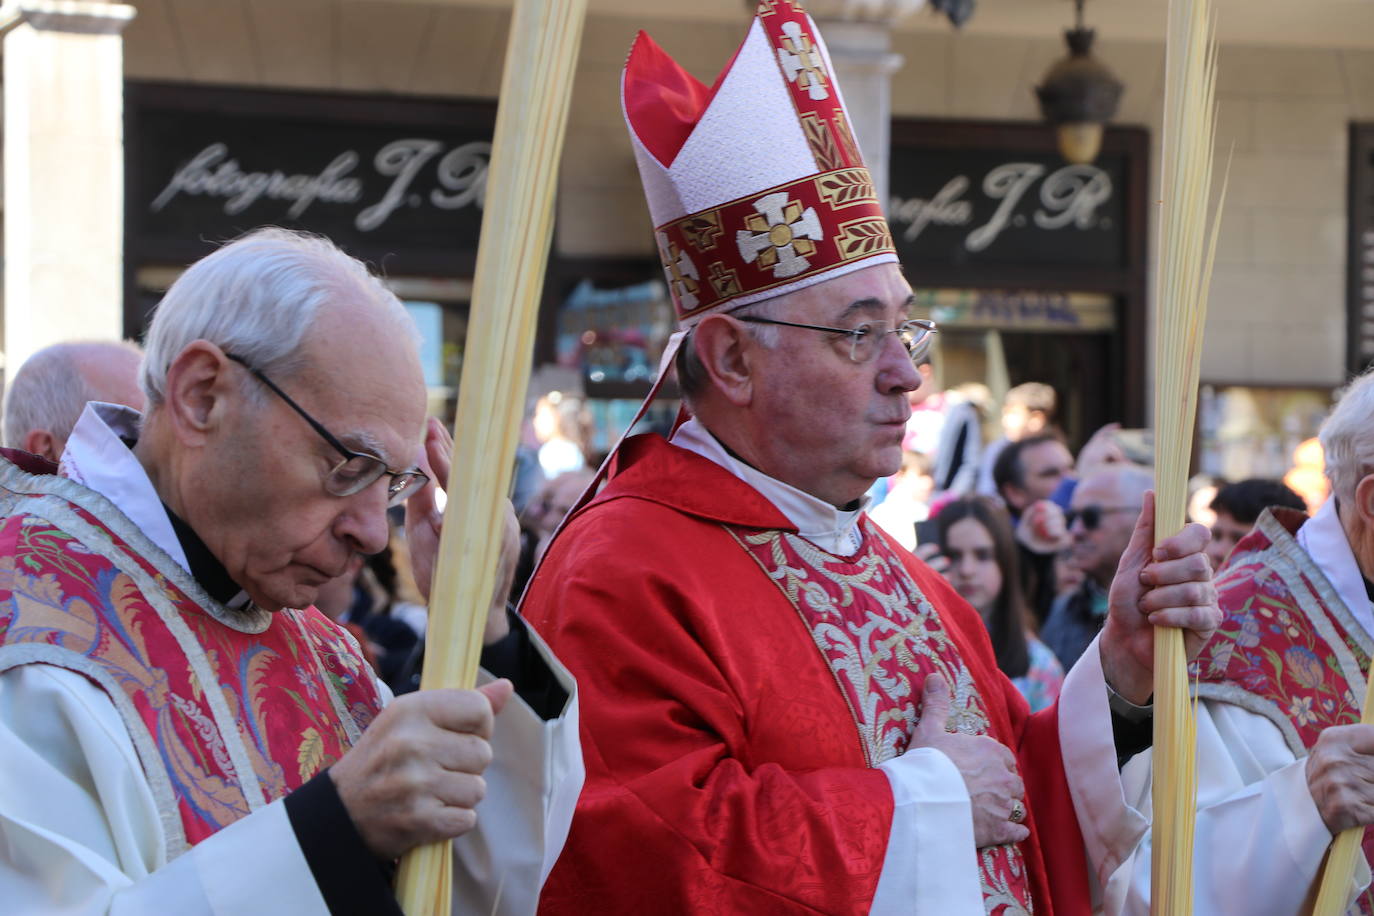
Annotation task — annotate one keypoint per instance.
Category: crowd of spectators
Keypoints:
(1030, 533)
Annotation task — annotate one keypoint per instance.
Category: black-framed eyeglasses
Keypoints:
(358, 470)
(866, 340)
(1091, 516)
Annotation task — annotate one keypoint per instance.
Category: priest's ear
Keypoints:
(1364, 500)
(196, 395)
(42, 442)
(728, 354)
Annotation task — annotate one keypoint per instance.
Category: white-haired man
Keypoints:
(174, 736)
(44, 399)
(784, 711)
(1282, 764)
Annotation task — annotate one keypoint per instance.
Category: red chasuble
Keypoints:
(224, 721)
(740, 686)
(1288, 648)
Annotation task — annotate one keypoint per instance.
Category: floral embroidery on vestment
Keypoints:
(881, 637)
(1287, 648)
(224, 721)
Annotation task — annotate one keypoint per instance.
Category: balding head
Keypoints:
(1104, 510)
(47, 395)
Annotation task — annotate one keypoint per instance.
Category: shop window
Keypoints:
(1246, 431)
(608, 342)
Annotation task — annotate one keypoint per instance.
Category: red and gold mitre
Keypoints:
(755, 185)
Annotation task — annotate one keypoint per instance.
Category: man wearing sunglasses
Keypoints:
(784, 711)
(175, 734)
(1100, 520)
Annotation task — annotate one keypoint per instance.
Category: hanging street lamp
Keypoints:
(1078, 95)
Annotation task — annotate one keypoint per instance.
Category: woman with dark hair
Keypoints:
(980, 560)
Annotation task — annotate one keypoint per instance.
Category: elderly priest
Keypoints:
(785, 711)
(176, 734)
(1283, 764)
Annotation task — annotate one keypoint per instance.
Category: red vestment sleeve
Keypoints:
(717, 778)
(1041, 764)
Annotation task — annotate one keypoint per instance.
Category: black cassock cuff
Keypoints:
(515, 657)
(1133, 727)
(350, 878)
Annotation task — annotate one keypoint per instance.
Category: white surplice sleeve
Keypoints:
(930, 865)
(931, 846)
(80, 832)
(1259, 839)
(533, 782)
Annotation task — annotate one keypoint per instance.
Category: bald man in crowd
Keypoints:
(51, 388)
(1100, 520)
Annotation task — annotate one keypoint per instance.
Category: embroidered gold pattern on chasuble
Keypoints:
(877, 632)
(881, 638)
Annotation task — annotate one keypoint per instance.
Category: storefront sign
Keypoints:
(383, 178)
(981, 200)
(215, 172)
(1018, 310)
(977, 206)
(1068, 198)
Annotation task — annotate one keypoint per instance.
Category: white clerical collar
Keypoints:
(1323, 538)
(833, 530)
(97, 458)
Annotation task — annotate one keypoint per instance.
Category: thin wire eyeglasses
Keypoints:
(866, 340)
(358, 470)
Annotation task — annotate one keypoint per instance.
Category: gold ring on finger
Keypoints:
(1018, 811)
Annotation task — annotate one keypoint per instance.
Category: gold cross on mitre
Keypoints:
(682, 273)
(802, 62)
(780, 235)
(724, 281)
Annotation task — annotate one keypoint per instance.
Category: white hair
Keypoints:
(691, 374)
(1133, 480)
(1347, 436)
(49, 391)
(256, 298)
(1130, 481)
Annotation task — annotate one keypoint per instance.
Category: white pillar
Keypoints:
(858, 35)
(64, 172)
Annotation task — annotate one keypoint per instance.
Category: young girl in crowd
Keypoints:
(980, 561)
